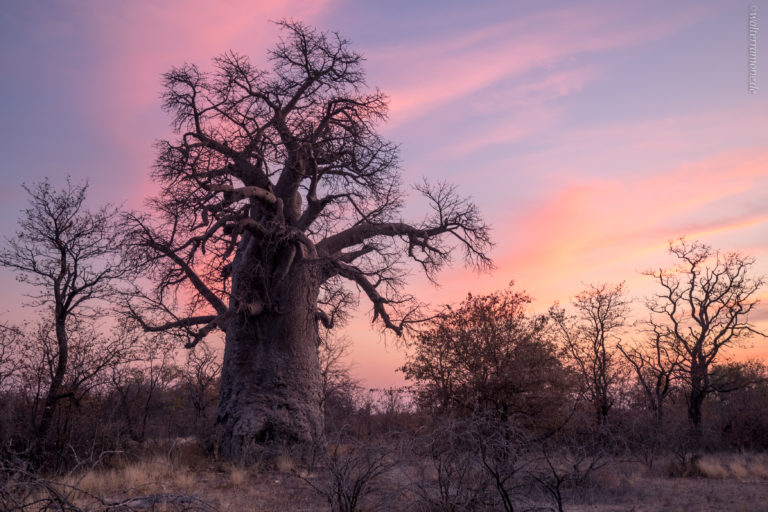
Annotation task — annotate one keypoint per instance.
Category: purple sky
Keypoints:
(590, 133)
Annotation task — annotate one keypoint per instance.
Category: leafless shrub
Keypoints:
(352, 473)
(140, 382)
(199, 377)
(479, 462)
(565, 465)
(451, 479)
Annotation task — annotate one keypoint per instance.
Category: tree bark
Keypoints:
(270, 382)
(57, 380)
(695, 401)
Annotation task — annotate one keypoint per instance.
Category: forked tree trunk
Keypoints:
(270, 380)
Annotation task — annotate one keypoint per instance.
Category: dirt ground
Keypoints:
(728, 482)
(280, 492)
(683, 494)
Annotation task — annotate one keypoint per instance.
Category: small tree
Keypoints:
(590, 338)
(487, 354)
(67, 253)
(339, 388)
(200, 376)
(140, 382)
(656, 368)
(9, 339)
(703, 308)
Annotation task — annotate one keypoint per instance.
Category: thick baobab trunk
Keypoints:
(270, 381)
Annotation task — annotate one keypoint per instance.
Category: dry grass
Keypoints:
(743, 467)
(238, 476)
(157, 474)
(284, 464)
(735, 482)
(185, 471)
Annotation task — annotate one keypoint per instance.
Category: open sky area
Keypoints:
(589, 133)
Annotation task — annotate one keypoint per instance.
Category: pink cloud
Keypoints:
(607, 230)
(424, 76)
(527, 109)
(139, 41)
(598, 228)
(612, 146)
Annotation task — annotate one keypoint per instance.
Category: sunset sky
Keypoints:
(589, 133)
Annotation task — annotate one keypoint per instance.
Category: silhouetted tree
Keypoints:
(141, 382)
(276, 193)
(339, 388)
(488, 354)
(590, 338)
(739, 411)
(68, 254)
(703, 307)
(656, 367)
(200, 376)
(9, 340)
(735, 375)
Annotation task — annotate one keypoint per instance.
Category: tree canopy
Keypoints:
(280, 205)
(286, 163)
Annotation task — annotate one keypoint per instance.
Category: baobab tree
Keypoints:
(701, 309)
(277, 194)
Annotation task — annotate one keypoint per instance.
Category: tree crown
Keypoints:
(284, 169)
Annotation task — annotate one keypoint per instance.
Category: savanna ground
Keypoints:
(181, 476)
(582, 407)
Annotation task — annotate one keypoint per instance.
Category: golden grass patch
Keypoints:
(238, 476)
(740, 466)
(152, 475)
